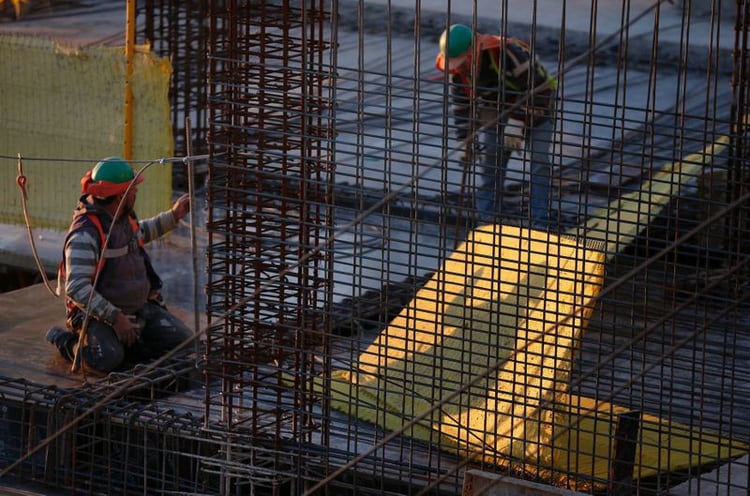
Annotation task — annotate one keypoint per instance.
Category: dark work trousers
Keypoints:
(160, 332)
(491, 180)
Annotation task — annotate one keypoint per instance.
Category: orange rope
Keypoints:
(21, 182)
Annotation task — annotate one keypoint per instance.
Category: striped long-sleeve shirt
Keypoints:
(82, 252)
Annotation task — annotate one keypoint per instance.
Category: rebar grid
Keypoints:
(178, 30)
(641, 136)
(386, 114)
(121, 448)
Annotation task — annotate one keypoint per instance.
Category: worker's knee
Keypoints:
(102, 351)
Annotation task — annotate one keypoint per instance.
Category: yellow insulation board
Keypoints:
(67, 104)
(586, 443)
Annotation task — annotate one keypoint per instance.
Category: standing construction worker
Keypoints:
(498, 88)
(115, 284)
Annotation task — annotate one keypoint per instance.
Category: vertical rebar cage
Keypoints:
(268, 215)
(179, 31)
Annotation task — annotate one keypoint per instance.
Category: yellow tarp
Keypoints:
(507, 295)
(586, 443)
(618, 224)
(504, 314)
(65, 103)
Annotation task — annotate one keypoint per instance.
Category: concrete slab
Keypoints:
(480, 483)
(728, 480)
(569, 27)
(76, 23)
(26, 315)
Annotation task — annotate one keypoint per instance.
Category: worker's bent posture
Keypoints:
(512, 97)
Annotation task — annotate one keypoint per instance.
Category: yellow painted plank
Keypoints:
(617, 224)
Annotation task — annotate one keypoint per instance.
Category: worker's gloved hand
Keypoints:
(513, 135)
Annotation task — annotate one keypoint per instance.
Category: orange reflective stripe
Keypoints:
(102, 258)
(440, 62)
(136, 229)
(102, 236)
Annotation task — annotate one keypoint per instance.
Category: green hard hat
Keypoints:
(113, 170)
(456, 40)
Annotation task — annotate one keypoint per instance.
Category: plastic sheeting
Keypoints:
(67, 105)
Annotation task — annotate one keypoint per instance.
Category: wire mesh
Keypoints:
(628, 127)
(178, 30)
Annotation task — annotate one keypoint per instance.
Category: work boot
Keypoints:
(64, 340)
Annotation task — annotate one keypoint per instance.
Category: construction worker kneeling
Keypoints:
(114, 308)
